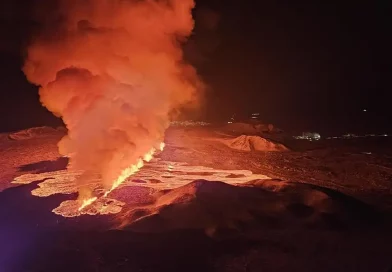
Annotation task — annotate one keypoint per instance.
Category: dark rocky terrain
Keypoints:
(325, 206)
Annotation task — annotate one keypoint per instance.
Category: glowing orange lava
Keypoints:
(162, 146)
(149, 155)
(126, 173)
(87, 202)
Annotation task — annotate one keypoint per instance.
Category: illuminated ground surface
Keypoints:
(201, 206)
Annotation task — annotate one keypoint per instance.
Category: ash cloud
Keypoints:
(114, 72)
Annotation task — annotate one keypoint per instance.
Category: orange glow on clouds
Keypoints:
(114, 72)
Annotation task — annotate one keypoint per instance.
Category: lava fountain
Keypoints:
(133, 169)
(114, 72)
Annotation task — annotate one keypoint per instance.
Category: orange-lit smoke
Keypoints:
(114, 72)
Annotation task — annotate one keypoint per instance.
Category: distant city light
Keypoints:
(350, 136)
(364, 109)
(310, 136)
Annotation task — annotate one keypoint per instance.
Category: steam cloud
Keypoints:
(114, 72)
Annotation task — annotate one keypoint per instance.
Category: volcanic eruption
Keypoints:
(114, 72)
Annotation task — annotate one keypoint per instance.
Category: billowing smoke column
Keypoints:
(113, 70)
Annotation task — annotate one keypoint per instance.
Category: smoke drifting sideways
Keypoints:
(114, 72)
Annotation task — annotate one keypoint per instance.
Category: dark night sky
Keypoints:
(303, 65)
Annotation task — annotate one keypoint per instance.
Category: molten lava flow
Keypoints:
(162, 146)
(126, 173)
(160, 175)
(87, 202)
(148, 156)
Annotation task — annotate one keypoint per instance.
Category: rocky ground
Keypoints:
(309, 206)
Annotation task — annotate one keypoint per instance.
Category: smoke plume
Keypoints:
(113, 70)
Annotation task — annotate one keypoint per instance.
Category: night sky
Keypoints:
(303, 66)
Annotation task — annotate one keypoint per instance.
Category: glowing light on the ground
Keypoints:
(160, 175)
(162, 146)
(126, 173)
(149, 155)
(87, 202)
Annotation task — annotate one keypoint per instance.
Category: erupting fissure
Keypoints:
(114, 72)
(126, 173)
(87, 202)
